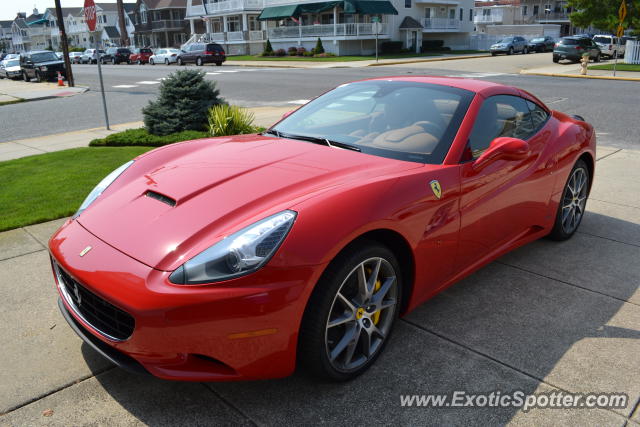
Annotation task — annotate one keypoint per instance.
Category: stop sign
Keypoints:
(90, 14)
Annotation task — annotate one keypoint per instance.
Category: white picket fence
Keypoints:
(632, 52)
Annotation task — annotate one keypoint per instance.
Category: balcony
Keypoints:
(553, 17)
(168, 24)
(494, 18)
(440, 24)
(328, 30)
(213, 8)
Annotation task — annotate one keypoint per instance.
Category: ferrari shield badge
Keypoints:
(435, 187)
(84, 251)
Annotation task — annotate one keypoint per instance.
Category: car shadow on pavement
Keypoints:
(549, 316)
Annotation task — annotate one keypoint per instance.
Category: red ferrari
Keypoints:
(242, 257)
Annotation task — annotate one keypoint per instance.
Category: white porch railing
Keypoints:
(485, 19)
(440, 23)
(235, 36)
(632, 52)
(325, 30)
(256, 35)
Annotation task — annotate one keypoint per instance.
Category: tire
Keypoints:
(572, 205)
(493, 54)
(597, 58)
(218, 64)
(510, 52)
(199, 62)
(180, 62)
(38, 77)
(166, 61)
(138, 62)
(525, 50)
(25, 77)
(113, 61)
(151, 62)
(556, 59)
(337, 293)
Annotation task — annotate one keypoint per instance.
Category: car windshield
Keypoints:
(603, 40)
(506, 40)
(145, 51)
(408, 121)
(540, 40)
(12, 63)
(44, 56)
(569, 41)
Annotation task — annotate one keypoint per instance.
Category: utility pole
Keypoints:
(124, 36)
(65, 45)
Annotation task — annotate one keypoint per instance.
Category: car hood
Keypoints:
(47, 63)
(13, 68)
(217, 186)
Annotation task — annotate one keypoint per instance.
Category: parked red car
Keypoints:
(237, 257)
(140, 56)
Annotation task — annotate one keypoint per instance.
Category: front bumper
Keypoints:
(240, 329)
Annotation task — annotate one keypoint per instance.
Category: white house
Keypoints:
(345, 26)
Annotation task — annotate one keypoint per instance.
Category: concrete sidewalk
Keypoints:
(573, 70)
(264, 116)
(549, 317)
(12, 90)
(351, 64)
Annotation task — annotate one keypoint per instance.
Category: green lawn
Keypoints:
(619, 67)
(48, 186)
(344, 58)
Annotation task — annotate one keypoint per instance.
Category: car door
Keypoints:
(27, 66)
(501, 201)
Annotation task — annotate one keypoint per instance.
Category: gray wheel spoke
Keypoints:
(340, 320)
(362, 283)
(351, 348)
(344, 342)
(386, 304)
(371, 283)
(384, 289)
(366, 344)
(346, 302)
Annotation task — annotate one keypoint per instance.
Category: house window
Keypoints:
(470, 14)
(461, 14)
(524, 10)
(143, 14)
(254, 24)
(407, 4)
(233, 23)
(536, 8)
(452, 14)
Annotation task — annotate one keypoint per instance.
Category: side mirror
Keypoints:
(502, 148)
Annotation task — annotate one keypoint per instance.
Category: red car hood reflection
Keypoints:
(218, 186)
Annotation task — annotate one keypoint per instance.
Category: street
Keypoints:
(603, 103)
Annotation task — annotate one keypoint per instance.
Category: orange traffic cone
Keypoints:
(60, 82)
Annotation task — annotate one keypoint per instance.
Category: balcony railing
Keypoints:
(326, 30)
(168, 24)
(225, 6)
(256, 35)
(235, 36)
(485, 19)
(553, 16)
(440, 24)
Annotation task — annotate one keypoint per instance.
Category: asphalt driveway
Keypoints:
(549, 316)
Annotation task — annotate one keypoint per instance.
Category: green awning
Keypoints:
(375, 7)
(38, 22)
(279, 12)
(365, 7)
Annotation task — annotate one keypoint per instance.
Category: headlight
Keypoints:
(43, 68)
(239, 254)
(102, 185)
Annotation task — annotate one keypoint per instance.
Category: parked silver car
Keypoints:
(510, 45)
(610, 46)
(10, 68)
(90, 56)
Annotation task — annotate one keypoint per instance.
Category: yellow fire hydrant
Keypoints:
(584, 63)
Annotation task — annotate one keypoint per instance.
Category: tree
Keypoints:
(184, 100)
(603, 14)
(319, 48)
(268, 49)
(124, 36)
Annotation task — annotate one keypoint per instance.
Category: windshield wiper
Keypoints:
(316, 140)
(271, 132)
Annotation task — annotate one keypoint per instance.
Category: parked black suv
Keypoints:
(202, 53)
(41, 65)
(116, 55)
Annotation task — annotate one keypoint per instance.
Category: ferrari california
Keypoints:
(244, 257)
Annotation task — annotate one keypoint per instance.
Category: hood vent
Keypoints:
(160, 197)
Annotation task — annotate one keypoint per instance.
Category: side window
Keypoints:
(500, 115)
(539, 115)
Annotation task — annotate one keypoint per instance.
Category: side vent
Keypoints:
(160, 197)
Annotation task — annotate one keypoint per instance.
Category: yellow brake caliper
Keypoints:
(376, 315)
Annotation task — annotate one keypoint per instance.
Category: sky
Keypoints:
(9, 8)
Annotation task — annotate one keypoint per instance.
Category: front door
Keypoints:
(499, 202)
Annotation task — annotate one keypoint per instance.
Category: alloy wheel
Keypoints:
(574, 200)
(361, 314)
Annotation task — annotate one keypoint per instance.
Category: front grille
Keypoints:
(104, 317)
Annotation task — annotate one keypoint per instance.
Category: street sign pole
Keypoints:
(90, 19)
(375, 21)
(622, 13)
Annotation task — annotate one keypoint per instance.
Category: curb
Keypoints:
(40, 98)
(580, 76)
(436, 59)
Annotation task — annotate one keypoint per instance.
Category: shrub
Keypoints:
(325, 55)
(268, 49)
(301, 51)
(319, 48)
(230, 120)
(185, 97)
(281, 52)
(432, 45)
(76, 49)
(308, 53)
(292, 51)
(390, 47)
(141, 137)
